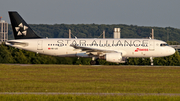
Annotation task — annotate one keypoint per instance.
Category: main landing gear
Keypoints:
(93, 61)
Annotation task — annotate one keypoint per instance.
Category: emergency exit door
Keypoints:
(40, 45)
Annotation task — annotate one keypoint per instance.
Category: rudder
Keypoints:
(20, 28)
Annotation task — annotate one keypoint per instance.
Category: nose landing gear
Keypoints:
(151, 58)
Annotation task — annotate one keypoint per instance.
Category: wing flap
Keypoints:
(93, 50)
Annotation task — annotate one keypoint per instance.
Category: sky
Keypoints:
(154, 13)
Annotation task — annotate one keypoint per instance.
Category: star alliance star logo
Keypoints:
(22, 30)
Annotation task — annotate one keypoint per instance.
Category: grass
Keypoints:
(89, 79)
(87, 98)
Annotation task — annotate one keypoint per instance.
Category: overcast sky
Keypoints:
(160, 13)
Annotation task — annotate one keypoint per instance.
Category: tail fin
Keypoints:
(20, 28)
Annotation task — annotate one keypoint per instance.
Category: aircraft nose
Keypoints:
(172, 51)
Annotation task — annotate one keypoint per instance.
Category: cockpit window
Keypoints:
(164, 44)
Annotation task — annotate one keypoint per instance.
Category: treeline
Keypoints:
(95, 30)
(13, 55)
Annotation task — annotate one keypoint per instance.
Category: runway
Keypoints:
(99, 94)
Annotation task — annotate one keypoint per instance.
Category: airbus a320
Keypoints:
(112, 50)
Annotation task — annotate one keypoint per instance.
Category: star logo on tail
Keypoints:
(21, 29)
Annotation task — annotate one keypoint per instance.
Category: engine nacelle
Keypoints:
(114, 57)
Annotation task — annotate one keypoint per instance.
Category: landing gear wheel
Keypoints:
(93, 62)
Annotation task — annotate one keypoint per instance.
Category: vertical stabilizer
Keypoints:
(20, 28)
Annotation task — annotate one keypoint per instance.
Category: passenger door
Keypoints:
(40, 45)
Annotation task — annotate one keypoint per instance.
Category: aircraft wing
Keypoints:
(93, 50)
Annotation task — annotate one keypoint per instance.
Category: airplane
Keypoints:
(112, 50)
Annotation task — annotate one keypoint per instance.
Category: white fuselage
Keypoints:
(61, 46)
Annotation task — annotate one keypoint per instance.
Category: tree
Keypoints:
(19, 57)
(5, 55)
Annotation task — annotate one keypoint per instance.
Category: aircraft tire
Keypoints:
(93, 62)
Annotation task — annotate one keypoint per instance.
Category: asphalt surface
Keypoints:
(101, 94)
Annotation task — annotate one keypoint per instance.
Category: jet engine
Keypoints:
(114, 57)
